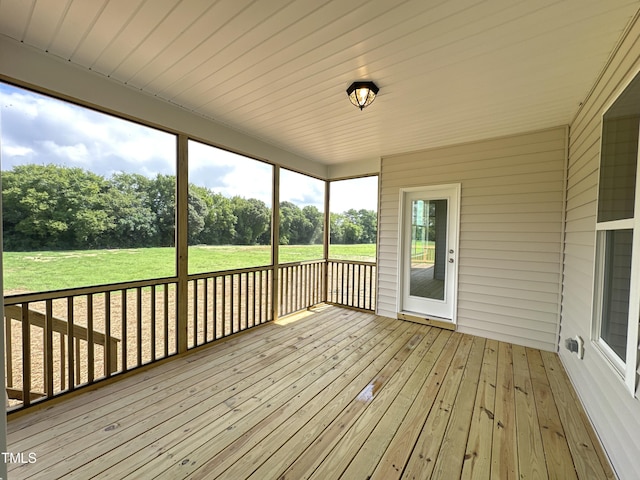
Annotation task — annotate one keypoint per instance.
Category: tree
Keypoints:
(197, 211)
(336, 233)
(295, 227)
(353, 226)
(162, 197)
(219, 219)
(49, 206)
(253, 219)
(316, 219)
(133, 223)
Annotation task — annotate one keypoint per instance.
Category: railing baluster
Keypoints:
(309, 284)
(246, 300)
(286, 288)
(123, 313)
(295, 270)
(8, 350)
(205, 301)
(342, 290)
(76, 343)
(224, 306)
(109, 359)
(356, 287)
(26, 356)
(48, 348)
(263, 295)
(70, 344)
(90, 344)
(166, 321)
(152, 296)
(280, 290)
(139, 326)
(195, 312)
(239, 302)
(215, 307)
(292, 288)
(253, 290)
(370, 277)
(63, 363)
(300, 285)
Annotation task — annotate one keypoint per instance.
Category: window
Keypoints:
(88, 198)
(617, 275)
(354, 219)
(301, 217)
(229, 210)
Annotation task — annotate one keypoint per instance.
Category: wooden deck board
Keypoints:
(333, 394)
(477, 458)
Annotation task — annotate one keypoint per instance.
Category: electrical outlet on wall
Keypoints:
(580, 351)
(575, 345)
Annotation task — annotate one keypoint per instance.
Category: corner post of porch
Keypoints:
(182, 243)
(325, 240)
(275, 244)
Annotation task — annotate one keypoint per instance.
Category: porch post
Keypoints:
(275, 243)
(325, 240)
(3, 402)
(182, 242)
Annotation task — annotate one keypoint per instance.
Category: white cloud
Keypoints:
(16, 151)
(47, 130)
(77, 153)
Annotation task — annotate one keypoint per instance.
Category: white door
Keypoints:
(429, 244)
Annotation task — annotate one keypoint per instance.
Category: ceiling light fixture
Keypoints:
(362, 94)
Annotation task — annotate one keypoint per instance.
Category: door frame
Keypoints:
(454, 244)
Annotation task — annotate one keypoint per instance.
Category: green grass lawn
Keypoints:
(44, 271)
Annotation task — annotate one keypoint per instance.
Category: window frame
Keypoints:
(626, 369)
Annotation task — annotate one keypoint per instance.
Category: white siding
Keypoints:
(510, 231)
(613, 411)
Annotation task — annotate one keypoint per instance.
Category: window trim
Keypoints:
(626, 370)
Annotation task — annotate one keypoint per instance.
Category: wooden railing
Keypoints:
(59, 328)
(58, 341)
(352, 284)
(223, 303)
(301, 286)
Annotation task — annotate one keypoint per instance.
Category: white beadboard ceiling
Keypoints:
(449, 71)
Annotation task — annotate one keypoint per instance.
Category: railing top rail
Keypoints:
(302, 262)
(353, 262)
(75, 292)
(222, 273)
(78, 291)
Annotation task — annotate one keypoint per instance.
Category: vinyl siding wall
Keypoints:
(612, 409)
(509, 261)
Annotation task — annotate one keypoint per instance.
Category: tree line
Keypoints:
(62, 208)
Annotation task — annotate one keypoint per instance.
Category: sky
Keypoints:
(39, 129)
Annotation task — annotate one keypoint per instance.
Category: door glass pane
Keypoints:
(615, 246)
(428, 248)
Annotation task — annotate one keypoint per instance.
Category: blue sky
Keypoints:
(39, 129)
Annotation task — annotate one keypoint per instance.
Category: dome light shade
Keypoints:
(362, 94)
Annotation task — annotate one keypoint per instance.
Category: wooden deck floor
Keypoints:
(333, 394)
